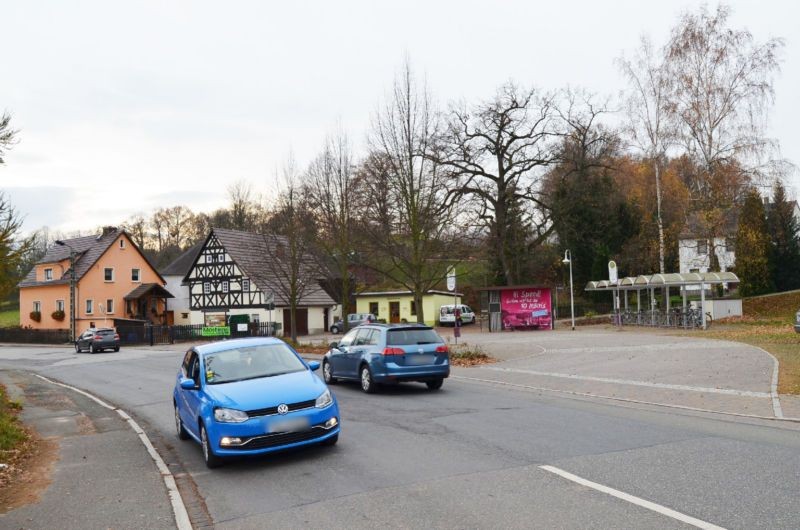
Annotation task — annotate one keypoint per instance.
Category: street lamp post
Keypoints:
(568, 260)
(71, 288)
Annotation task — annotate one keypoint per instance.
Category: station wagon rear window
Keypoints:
(396, 337)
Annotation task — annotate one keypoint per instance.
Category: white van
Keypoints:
(447, 314)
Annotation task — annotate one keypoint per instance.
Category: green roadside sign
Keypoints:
(216, 331)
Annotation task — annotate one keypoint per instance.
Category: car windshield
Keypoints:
(399, 337)
(250, 363)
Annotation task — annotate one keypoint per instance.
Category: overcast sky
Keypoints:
(126, 106)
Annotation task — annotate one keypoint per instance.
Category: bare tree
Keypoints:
(7, 135)
(494, 152)
(330, 190)
(290, 231)
(406, 213)
(243, 206)
(648, 111)
(722, 90)
(137, 227)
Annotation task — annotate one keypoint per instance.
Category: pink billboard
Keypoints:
(529, 308)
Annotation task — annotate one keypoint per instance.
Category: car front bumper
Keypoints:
(256, 436)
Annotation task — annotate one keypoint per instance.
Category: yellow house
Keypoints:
(398, 306)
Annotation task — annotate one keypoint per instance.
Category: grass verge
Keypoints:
(16, 442)
(773, 335)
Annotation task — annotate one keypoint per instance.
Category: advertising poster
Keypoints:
(526, 308)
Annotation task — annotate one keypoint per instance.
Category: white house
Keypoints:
(695, 248)
(240, 273)
(178, 309)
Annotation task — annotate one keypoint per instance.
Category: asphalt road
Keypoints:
(468, 456)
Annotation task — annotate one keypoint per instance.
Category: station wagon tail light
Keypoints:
(393, 351)
(116, 336)
(442, 349)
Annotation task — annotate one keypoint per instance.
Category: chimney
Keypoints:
(108, 230)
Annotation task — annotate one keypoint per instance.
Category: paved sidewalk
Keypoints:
(92, 487)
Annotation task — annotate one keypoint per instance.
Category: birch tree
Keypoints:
(648, 112)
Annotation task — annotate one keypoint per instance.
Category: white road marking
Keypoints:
(776, 402)
(663, 510)
(621, 399)
(725, 391)
(178, 507)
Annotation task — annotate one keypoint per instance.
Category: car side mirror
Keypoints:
(313, 365)
(188, 384)
(334, 345)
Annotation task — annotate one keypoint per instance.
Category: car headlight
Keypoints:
(324, 400)
(224, 415)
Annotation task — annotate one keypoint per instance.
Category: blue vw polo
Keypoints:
(252, 396)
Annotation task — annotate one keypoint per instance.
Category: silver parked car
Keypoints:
(797, 322)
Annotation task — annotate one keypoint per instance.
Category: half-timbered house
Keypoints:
(239, 273)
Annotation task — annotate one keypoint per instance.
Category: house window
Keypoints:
(413, 307)
(224, 287)
(128, 307)
(246, 286)
(108, 274)
(122, 243)
(702, 246)
(373, 308)
(255, 318)
(730, 245)
(89, 307)
(110, 306)
(48, 275)
(136, 275)
(60, 305)
(37, 307)
(206, 288)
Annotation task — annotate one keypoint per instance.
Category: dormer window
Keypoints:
(48, 275)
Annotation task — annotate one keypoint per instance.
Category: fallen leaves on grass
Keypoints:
(465, 355)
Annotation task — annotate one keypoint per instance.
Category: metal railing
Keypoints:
(678, 318)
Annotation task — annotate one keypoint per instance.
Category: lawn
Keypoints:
(9, 317)
(767, 323)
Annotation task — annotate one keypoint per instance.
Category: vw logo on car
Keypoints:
(283, 408)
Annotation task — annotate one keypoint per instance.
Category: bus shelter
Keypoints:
(649, 284)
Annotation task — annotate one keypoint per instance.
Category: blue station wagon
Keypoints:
(378, 353)
(252, 396)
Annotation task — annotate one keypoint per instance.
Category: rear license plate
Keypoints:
(288, 425)
(416, 360)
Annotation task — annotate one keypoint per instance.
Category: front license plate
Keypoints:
(288, 425)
